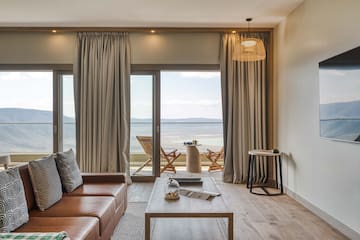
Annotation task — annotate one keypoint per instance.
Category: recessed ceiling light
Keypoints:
(54, 31)
(152, 31)
(233, 31)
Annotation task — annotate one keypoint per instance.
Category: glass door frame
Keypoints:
(58, 70)
(155, 124)
(155, 71)
(58, 108)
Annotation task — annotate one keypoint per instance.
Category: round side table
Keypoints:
(193, 164)
(5, 160)
(266, 154)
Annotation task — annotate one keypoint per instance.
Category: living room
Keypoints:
(318, 173)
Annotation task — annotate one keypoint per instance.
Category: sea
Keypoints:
(37, 138)
(209, 135)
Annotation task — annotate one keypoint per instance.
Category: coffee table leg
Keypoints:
(147, 227)
(231, 227)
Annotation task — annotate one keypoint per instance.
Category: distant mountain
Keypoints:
(340, 110)
(178, 120)
(22, 115)
(30, 130)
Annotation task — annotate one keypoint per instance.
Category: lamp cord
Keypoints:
(248, 21)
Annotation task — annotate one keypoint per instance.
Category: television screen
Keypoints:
(340, 96)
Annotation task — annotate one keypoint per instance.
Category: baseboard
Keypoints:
(348, 232)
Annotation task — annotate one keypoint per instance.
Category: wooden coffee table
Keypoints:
(186, 207)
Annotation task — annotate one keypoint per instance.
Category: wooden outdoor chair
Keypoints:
(146, 144)
(214, 157)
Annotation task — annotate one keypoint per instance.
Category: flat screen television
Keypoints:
(340, 96)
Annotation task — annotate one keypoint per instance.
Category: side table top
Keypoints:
(192, 145)
(262, 152)
(5, 159)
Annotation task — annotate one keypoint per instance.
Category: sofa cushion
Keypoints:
(13, 208)
(117, 190)
(45, 181)
(100, 207)
(68, 170)
(86, 228)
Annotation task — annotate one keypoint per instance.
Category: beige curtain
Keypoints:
(244, 111)
(102, 101)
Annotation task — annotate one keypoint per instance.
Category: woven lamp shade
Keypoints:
(249, 50)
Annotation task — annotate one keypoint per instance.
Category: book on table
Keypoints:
(188, 180)
(200, 194)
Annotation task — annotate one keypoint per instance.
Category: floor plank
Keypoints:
(139, 192)
(255, 217)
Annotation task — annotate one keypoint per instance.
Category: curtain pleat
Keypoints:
(244, 110)
(102, 101)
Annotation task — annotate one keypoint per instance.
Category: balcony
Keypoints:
(27, 141)
(136, 160)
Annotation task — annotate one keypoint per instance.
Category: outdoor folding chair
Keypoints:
(146, 144)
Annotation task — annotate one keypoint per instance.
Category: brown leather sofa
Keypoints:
(91, 212)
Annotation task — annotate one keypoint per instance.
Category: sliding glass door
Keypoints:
(26, 114)
(37, 114)
(191, 110)
(144, 129)
(186, 106)
(65, 119)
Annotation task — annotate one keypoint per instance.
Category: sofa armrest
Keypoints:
(103, 177)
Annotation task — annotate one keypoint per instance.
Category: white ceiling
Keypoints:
(143, 13)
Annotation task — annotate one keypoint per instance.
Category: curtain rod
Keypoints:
(131, 29)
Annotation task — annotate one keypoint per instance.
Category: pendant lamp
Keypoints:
(248, 49)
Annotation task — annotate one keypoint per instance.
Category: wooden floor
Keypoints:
(259, 217)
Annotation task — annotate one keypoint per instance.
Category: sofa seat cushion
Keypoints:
(117, 190)
(101, 207)
(86, 228)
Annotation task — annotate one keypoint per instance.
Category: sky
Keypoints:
(33, 90)
(339, 85)
(183, 95)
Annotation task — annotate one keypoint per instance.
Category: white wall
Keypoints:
(323, 172)
(162, 48)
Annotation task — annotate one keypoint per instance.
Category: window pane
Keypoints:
(68, 113)
(141, 124)
(26, 114)
(191, 110)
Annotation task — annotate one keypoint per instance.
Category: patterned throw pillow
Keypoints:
(69, 170)
(13, 208)
(46, 182)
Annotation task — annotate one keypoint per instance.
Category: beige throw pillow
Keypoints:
(68, 170)
(46, 182)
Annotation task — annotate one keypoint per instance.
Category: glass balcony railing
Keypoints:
(28, 141)
(26, 137)
(32, 139)
(173, 135)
